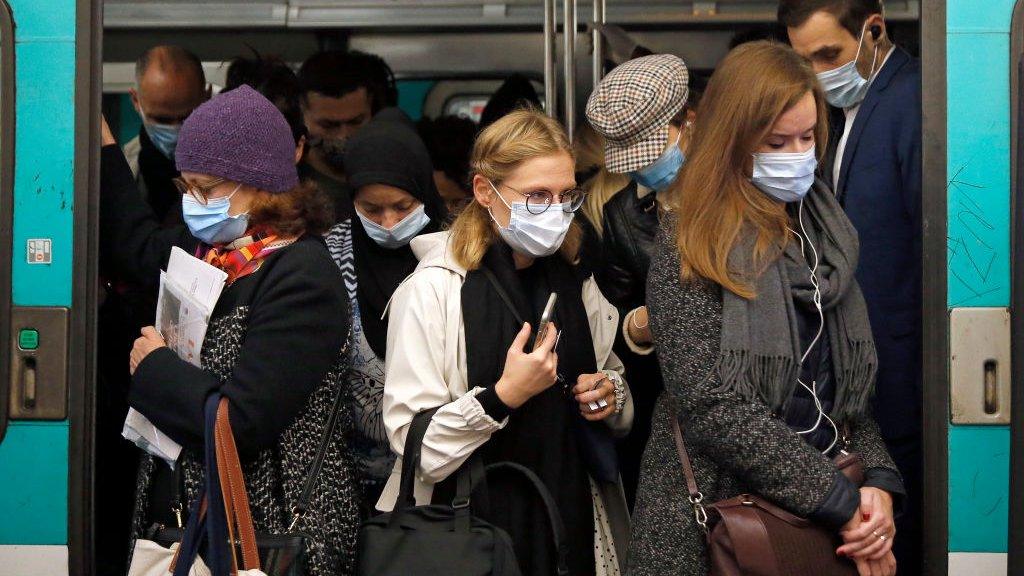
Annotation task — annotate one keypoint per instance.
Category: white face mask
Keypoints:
(785, 176)
(401, 233)
(536, 235)
(844, 86)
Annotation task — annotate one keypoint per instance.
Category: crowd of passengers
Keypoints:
(738, 254)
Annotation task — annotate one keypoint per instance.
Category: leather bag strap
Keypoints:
(700, 514)
(232, 483)
(684, 459)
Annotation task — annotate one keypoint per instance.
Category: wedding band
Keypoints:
(883, 537)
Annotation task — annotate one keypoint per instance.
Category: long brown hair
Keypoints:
(713, 198)
(499, 149)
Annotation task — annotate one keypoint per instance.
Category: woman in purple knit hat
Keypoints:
(275, 347)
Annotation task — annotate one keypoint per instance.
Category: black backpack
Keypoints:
(445, 538)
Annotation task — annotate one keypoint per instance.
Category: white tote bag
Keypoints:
(152, 559)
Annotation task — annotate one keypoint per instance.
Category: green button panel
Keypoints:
(28, 339)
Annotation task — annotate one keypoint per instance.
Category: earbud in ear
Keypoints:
(876, 31)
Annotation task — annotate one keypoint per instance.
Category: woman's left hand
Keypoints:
(586, 393)
(144, 345)
(872, 538)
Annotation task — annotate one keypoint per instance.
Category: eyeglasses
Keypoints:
(538, 202)
(200, 192)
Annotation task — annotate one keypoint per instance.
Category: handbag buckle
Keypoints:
(700, 515)
(460, 502)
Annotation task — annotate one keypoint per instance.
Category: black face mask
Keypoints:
(332, 150)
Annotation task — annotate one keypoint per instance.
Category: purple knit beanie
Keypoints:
(240, 136)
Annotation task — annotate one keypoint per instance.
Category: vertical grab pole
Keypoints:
(550, 90)
(569, 57)
(598, 41)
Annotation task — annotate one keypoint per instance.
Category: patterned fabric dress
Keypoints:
(368, 441)
(276, 477)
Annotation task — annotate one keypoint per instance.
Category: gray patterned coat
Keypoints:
(736, 446)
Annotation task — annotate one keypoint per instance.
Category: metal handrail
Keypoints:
(569, 59)
(598, 41)
(550, 72)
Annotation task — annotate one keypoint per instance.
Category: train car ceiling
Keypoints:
(444, 13)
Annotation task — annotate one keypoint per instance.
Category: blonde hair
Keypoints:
(713, 199)
(499, 149)
(589, 147)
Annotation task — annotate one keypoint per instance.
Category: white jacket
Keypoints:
(426, 368)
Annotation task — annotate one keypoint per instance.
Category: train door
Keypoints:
(46, 174)
(450, 56)
(969, 215)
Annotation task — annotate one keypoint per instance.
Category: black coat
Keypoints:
(275, 349)
(630, 224)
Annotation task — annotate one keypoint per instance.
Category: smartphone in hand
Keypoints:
(545, 319)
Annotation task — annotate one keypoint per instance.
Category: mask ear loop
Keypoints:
(813, 388)
(511, 212)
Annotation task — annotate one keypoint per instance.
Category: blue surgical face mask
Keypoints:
(662, 173)
(785, 176)
(401, 233)
(164, 137)
(844, 86)
(210, 222)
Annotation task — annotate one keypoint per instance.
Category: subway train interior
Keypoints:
(64, 62)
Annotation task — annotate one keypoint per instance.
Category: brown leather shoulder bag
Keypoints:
(749, 536)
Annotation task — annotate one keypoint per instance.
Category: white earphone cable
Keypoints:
(813, 388)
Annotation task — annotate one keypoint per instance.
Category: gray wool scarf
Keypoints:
(760, 347)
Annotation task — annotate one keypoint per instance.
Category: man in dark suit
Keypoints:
(873, 164)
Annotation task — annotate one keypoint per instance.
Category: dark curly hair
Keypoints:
(339, 72)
